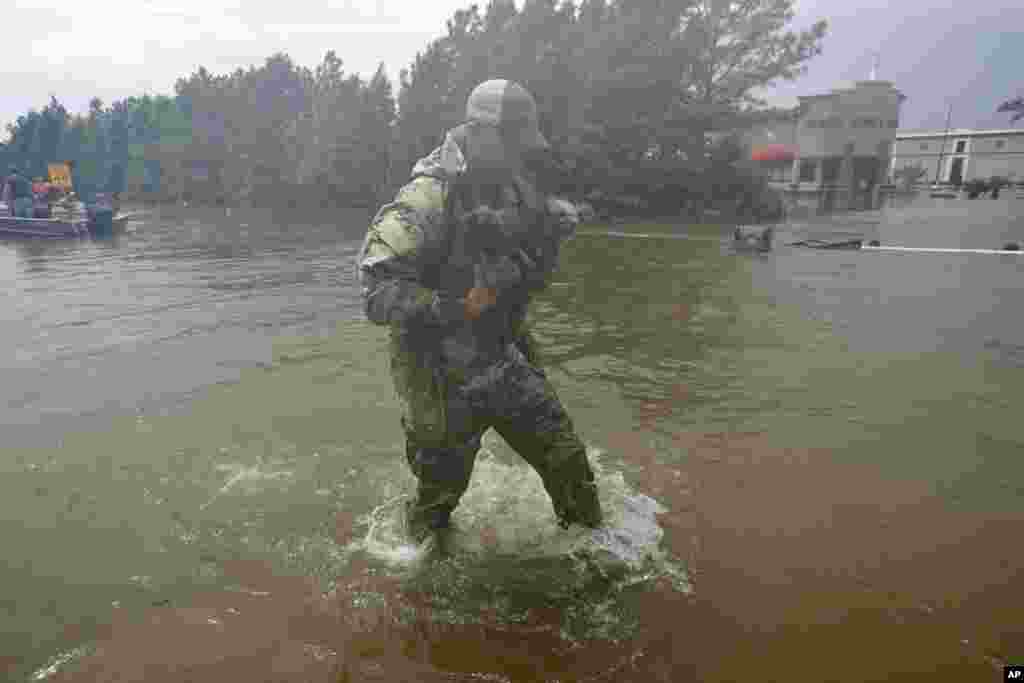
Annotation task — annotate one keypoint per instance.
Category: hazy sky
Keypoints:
(970, 55)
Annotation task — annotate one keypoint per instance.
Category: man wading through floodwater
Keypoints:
(450, 265)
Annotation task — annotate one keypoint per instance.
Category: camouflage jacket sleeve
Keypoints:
(404, 239)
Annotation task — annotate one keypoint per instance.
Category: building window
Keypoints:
(961, 145)
(806, 171)
(1000, 144)
(779, 172)
(831, 122)
(830, 170)
(924, 146)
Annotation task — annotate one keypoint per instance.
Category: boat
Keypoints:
(56, 228)
(61, 228)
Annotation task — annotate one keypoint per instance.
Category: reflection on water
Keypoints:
(803, 454)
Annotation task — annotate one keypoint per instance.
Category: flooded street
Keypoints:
(812, 462)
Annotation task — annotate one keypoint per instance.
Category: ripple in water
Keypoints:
(245, 478)
(506, 556)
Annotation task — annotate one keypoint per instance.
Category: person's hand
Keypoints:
(499, 274)
(478, 300)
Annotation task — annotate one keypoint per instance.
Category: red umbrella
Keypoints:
(773, 153)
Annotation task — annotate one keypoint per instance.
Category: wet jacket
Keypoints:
(440, 237)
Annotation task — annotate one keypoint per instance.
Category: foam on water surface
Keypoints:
(506, 561)
(506, 515)
(245, 478)
(59, 662)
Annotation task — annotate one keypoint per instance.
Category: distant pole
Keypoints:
(942, 150)
(874, 66)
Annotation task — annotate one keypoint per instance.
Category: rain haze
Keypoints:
(313, 373)
(962, 54)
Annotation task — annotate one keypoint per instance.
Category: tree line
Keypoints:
(627, 91)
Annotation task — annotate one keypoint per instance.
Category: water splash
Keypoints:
(385, 538)
(506, 564)
(244, 476)
(58, 662)
(505, 525)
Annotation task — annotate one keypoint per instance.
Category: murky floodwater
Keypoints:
(812, 463)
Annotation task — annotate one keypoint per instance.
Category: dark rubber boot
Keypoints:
(583, 507)
(420, 521)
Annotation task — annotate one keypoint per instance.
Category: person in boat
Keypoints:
(450, 266)
(87, 191)
(114, 187)
(54, 193)
(100, 211)
(18, 191)
(40, 198)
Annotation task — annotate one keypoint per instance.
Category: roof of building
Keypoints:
(957, 132)
(857, 85)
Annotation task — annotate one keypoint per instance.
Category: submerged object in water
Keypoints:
(874, 245)
(941, 250)
(753, 238)
(830, 244)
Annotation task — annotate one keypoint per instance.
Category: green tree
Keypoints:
(423, 106)
(736, 49)
(627, 91)
(375, 127)
(322, 135)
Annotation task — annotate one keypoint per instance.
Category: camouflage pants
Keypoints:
(446, 412)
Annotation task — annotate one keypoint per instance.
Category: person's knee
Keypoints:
(449, 464)
(568, 457)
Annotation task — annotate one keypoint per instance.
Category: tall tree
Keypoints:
(375, 129)
(627, 91)
(319, 131)
(736, 48)
(424, 105)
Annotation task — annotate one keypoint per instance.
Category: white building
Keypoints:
(961, 154)
(834, 147)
